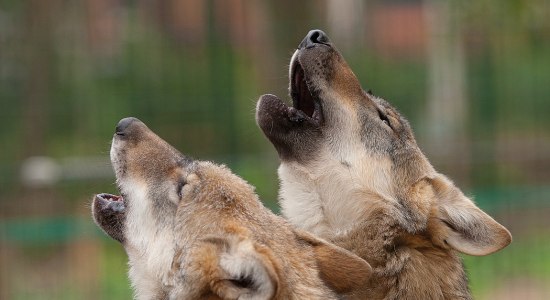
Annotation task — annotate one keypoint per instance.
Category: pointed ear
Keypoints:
(460, 224)
(244, 271)
(340, 269)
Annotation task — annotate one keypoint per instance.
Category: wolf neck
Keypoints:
(406, 266)
(149, 246)
(328, 199)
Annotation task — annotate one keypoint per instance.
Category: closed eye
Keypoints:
(179, 189)
(384, 118)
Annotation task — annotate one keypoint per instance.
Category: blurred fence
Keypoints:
(471, 77)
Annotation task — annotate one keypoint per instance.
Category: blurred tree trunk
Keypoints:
(39, 55)
(447, 102)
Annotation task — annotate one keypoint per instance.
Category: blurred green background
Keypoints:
(473, 77)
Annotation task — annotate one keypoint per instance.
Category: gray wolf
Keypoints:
(352, 173)
(194, 230)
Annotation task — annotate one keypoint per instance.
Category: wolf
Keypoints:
(351, 172)
(194, 230)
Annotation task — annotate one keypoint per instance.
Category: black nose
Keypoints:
(313, 37)
(122, 126)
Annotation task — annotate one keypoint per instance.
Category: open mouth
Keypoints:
(109, 213)
(109, 201)
(304, 98)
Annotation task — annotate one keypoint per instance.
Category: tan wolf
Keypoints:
(352, 173)
(194, 230)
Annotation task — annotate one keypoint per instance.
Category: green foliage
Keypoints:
(526, 258)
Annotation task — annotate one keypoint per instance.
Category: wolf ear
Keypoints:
(460, 224)
(244, 272)
(340, 269)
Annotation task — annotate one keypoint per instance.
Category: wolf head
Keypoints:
(193, 229)
(344, 151)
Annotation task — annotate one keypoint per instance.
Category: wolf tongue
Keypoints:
(110, 197)
(296, 115)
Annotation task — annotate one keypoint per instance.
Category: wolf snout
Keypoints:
(314, 37)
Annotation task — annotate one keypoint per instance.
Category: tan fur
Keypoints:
(351, 172)
(214, 239)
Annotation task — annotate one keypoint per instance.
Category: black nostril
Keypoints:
(123, 125)
(319, 37)
(314, 37)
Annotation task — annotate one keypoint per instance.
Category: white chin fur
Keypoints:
(328, 198)
(150, 249)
